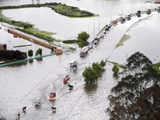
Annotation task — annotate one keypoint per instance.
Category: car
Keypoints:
(122, 20)
(128, 17)
(108, 27)
(66, 79)
(52, 96)
(83, 54)
(73, 66)
(53, 109)
(84, 51)
(138, 14)
(37, 105)
(96, 41)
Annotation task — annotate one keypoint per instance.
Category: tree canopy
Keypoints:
(136, 96)
(82, 39)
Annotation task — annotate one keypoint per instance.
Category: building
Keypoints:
(157, 1)
(3, 47)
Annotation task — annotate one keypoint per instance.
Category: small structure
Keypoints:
(3, 47)
(66, 79)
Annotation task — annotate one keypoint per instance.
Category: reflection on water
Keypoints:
(90, 89)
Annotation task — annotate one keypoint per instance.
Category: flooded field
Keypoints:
(25, 84)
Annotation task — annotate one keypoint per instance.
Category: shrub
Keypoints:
(39, 52)
(102, 63)
(30, 53)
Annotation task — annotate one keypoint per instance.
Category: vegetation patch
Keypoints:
(38, 33)
(156, 67)
(57, 7)
(81, 40)
(28, 28)
(92, 73)
(70, 41)
(123, 39)
(70, 11)
(22, 45)
(115, 70)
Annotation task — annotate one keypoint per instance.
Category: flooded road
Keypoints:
(25, 84)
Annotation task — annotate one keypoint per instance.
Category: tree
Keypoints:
(83, 36)
(39, 52)
(115, 69)
(30, 53)
(91, 74)
(136, 95)
(82, 39)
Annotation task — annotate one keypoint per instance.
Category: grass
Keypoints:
(70, 41)
(117, 64)
(57, 7)
(70, 11)
(123, 39)
(13, 22)
(28, 28)
(38, 33)
(22, 45)
(156, 67)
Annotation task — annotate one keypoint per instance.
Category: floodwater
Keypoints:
(25, 84)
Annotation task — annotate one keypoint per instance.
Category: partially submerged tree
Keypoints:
(91, 74)
(136, 95)
(115, 70)
(82, 39)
